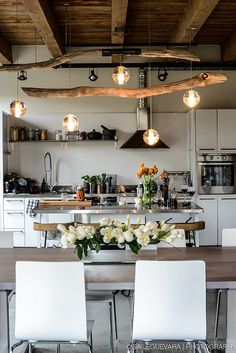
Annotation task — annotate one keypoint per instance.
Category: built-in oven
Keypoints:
(216, 174)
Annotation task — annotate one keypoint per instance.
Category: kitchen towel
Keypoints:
(32, 203)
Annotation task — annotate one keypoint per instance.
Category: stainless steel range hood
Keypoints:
(143, 120)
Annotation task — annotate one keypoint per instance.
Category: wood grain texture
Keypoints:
(220, 263)
(118, 20)
(5, 51)
(201, 80)
(76, 55)
(43, 18)
(195, 15)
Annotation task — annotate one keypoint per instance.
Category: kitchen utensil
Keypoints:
(108, 134)
(94, 135)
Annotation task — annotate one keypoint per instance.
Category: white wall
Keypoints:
(119, 113)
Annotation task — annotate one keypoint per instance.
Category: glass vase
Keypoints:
(147, 194)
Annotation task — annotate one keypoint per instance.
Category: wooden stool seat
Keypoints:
(48, 227)
(189, 229)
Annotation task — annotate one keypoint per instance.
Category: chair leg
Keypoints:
(217, 313)
(45, 239)
(58, 348)
(111, 328)
(30, 347)
(115, 317)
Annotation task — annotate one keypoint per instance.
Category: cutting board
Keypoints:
(65, 203)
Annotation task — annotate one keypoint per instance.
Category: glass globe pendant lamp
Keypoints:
(71, 122)
(121, 75)
(151, 137)
(191, 98)
(17, 108)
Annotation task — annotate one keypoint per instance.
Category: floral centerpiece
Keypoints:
(148, 176)
(86, 237)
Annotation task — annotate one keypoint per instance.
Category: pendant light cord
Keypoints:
(149, 66)
(17, 33)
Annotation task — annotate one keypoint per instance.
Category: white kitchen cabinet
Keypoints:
(18, 237)
(226, 214)
(206, 130)
(215, 130)
(226, 130)
(208, 236)
(14, 219)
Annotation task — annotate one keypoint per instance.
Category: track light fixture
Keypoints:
(92, 75)
(162, 74)
(22, 75)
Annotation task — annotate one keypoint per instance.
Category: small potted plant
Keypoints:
(93, 184)
(86, 179)
(101, 183)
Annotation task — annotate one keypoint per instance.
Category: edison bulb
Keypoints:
(151, 137)
(17, 108)
(121, 75)
(191, 98)
(70, 122)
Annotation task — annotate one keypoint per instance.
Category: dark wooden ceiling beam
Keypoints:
(195, 15)
(5, 51)
(42, 16)
(228, 50)
(118, 20)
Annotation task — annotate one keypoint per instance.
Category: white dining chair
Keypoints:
(50, 304)
(6, 239)
(228, 239)
(162, 309)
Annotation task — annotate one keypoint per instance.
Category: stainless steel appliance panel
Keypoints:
(216, 174)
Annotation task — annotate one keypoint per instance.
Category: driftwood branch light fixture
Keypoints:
(200, 80)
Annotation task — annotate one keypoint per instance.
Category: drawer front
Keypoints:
(14, 204)
(18, 237)
(14, 219)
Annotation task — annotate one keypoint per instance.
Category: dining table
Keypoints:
(115, 270)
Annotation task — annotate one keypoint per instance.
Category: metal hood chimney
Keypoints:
(143, 120)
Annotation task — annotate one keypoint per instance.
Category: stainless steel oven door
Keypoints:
(216, 177)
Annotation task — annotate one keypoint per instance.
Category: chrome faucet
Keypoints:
(48, 171)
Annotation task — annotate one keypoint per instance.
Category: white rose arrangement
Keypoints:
(116, 233)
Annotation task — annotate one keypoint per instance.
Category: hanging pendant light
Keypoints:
(71, 122)
(17, 108)
(191, 98)
(121, 75)
(151, 137)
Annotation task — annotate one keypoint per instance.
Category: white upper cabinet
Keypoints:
(206, 128)
(227, 130)
(215, 130)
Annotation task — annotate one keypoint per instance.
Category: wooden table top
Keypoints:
(116, 267)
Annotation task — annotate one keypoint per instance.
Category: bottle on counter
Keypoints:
(140, 190)
(173, 203)
(80, 194)
(44, 134)
(43, 186)
(165, 192)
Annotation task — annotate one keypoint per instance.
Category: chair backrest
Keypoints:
(170, 300)
(50, 301)
(6, 239)
(229, 237)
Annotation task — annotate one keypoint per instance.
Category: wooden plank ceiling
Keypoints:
(116, 23)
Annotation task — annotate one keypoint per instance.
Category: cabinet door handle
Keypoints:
(229, 148)
(15, 213)
(208, 198)
(14, 200)
(227, 198)
(207, 149)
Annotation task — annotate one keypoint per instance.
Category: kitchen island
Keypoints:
(116, 209)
